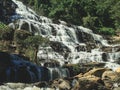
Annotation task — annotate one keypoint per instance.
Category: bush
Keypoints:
(89, 22)
(3, 26)
(6, 33)
(107, 31)
(21, 35)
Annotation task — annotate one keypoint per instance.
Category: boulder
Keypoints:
(110, 49)
(85, 84)
(92, 78)
(61, 84)
(117, 70)
(79, 75)
(96, 72)
(110, 75)
(88, 82)
(109, 78)
(106, 49)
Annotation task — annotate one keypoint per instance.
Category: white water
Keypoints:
(67, 35)
(58, 73)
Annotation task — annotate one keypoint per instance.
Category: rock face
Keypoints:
(96, 72)
(7, 9)
(79, 82)
(14, 69)
(61, 84)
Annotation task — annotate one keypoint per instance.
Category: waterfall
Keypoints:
(71, 43)
(56, 71)
(20, 70)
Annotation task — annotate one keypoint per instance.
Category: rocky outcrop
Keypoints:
(61, 84)
(59, 47)
(15, 69)
(111, 75)
(110, 49)
(7, 9)
(86, 38)
(96, 72)
(79, 82)
(87, 69)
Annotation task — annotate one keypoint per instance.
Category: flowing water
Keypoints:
(69, 44)
(20, 70)
(72, 44)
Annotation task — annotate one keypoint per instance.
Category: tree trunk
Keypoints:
(35, 57)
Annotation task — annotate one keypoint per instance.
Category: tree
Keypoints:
(19, 37)
(115, 13)
(101, 13)
(6, 36)
(34, 42)
(6, 33)
(90, 22)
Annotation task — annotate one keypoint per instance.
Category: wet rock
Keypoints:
(25, 26)
(110, 49)
(15, 69)
(59, 47)
(110, 75)
(85, 84)
(96, 72)
(7, 9)
(110, 78)
(106, 49)
(93, 78)
(76, 69)
(86, 38)
(80, 47)
(52, 64)
(105, 57)
(61, 84)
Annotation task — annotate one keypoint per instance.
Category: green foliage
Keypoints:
(35, 41)
(76, 69)
(89, 22)
(115, 13)
(21, 35)
(40, 6)
(32, 43)
(6, 33)
(107, 31)
(93, 14)
(28, 44)
(3, 26)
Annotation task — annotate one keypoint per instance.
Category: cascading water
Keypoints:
(72, 44)
(56, 71)
(15, 69)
